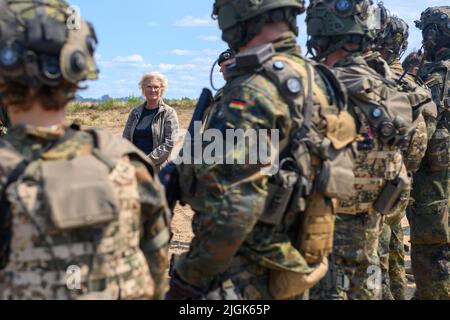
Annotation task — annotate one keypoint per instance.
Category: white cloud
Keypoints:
(190, 21)
(181, 52)
(212, 52)
(133, 61)
(187, 78)
(204, 60)
(134, 58)
(177, 67)
(209, 38)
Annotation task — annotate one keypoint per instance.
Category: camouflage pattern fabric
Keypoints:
(420, 98)
(383, 252)
(356, 271)
(392, 261)
(229, 242)
(428, 216)
(391, 248)
(397, 272)
(110, 261)
(3, 121)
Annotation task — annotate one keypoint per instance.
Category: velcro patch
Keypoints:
(341, 129)
(237, 104)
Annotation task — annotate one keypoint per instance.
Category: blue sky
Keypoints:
(177, 38)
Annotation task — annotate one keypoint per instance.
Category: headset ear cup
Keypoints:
(76, 60)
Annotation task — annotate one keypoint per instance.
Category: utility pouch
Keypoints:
(391, 195)
(302, 156)
(337, 178)
(438, 157)
(281, 187)
(285, 285)
(317, 228)
(87, 197)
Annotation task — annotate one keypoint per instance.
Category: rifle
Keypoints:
(169, 175)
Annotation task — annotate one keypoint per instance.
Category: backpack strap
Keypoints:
(445, 97)
(294, 90)
(20, 165)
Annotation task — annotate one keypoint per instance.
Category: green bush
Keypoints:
(124, 105)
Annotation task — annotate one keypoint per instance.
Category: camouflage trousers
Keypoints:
(397, 272)
(430, 262)
(392, 262)
(429, 220)
(252, 280)
(354, 272)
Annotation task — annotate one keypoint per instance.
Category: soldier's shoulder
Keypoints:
(359, 77)
(253, 84)
(252, 89)
(434, 73)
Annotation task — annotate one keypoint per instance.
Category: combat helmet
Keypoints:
(45, 43)
(331, 24)
(241, 20)
(394, 41)
(435, 25)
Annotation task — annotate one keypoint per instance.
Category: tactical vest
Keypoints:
(316, 165)
(76, 225)
(438, 153)
(384, 118)
(423, 108)
(439, 88)
(315, 160)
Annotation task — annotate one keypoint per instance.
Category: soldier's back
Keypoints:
(286, 93)
(75, 216)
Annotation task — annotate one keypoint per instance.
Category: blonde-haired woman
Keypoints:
(153, 126)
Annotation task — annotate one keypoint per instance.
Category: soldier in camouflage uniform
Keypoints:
(393, 44)
(82, 215)
(341, 32)
(428, 216)
(412, 62)
(256, 236)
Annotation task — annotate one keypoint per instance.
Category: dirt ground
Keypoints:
(181, 224)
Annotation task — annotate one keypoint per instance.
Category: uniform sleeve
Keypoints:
(127, 130)
(436, 84)
(171, 131)
(4, 221)
(233, 196)
(155, 221)
(418, 146)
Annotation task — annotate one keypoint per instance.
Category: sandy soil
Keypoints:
(181, 224)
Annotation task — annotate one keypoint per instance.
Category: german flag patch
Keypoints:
(237, 104)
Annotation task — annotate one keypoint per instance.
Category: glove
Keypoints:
(181, 290)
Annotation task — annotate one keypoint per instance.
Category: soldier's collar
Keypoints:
(53, 132)
(355, 58)
(371, 55)
(397, 66)
(287, 43)
(444, 55)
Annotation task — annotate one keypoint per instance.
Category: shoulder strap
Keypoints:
(5, 212)
(445, 97)
(289, 79)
